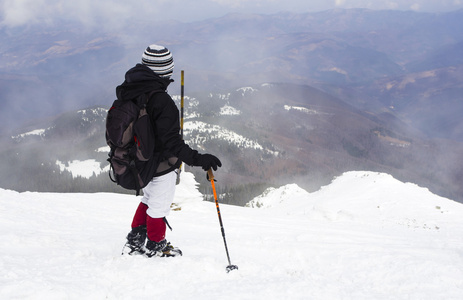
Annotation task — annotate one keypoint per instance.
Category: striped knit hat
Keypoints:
(159, 59)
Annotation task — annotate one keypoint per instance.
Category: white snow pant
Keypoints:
(158, 195)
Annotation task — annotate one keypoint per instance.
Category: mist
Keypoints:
(116, 15)
(57, 62)
(61, 55)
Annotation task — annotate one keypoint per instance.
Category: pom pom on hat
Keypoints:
(159, 59)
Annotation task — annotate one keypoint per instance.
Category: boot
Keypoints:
(135, 241)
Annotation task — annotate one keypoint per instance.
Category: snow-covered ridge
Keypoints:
(198, 132)
(228, 110)
(304, 110)
(89, 114)
(209, 131)
(35, 132)
(273, 197)
(323, 244)
(246, 90)
(366, 197)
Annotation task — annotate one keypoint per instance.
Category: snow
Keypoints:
(228, 110)
(190, 102)
(103, 149)
(223, 97)
(273, 196)
(305, 110)
(39, 132)
(85, 168)
(245, 90)
(99, 111)
(209, 131)
(364, 236)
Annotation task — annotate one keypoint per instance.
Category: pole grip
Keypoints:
(210, 175)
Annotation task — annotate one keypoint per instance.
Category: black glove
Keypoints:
(207, 161)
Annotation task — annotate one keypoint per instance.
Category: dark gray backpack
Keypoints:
(130, 135)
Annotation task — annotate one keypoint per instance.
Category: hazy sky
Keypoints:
(112, 12)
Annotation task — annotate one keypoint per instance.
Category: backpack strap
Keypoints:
(133, 169)
(143, 99)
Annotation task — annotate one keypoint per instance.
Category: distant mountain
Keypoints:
(449, 55)
(270, 134)
(431, 100)
(343, 52)
(280, 98)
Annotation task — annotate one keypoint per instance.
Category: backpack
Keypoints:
(130, 136)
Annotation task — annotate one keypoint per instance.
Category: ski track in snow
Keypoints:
(335, 243)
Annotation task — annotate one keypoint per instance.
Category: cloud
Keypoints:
(94, 13)
(232, 3)
(392, 5)
(245, 3)
(415, 6)
(116, 13)
(19, 12)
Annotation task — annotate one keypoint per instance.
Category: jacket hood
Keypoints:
(140, 80)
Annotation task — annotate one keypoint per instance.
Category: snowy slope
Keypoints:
(364, 236)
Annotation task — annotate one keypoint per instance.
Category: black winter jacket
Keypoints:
(170, 147)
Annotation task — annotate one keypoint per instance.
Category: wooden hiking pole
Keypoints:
(182, 100)
(182, 84)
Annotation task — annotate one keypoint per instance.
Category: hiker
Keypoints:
(154, 73)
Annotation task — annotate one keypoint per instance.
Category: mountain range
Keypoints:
(297, 135)
(280, 98)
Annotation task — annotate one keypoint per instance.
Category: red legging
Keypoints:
(155, 227)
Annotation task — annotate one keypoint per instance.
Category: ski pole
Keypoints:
(182, 84)
(210, 177)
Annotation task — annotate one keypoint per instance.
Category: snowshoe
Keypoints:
(135, 241)
(161, 249)
(129, 249)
